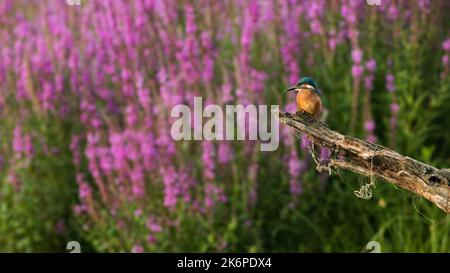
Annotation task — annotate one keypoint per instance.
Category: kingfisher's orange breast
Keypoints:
(309, 101)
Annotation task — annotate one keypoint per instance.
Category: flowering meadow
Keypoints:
(86, 153)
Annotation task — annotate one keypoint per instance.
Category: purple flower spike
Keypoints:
(369, 125)
(357, 56)
(371, 65)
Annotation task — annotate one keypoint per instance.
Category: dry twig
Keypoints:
(374, 160)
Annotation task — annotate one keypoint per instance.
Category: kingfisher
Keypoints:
(308, 96)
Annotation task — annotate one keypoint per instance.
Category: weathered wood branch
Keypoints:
(374, 160)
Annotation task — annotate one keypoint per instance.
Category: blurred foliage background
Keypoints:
(86, 152)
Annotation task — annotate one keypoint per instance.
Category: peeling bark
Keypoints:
(369, 159)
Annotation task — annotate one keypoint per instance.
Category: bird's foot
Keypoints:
(300, 112)
(307, 116)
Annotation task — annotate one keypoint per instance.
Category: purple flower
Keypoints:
(153, 225)
(170, 187)
(445, 60)
(227, 95)
(137, 249)
(372, 138)
(392, 12)
(132, 115)
(357, 56)
(371, 65)
(225, 153)
(394, 107)
(316, 27)
(155, 228)
(290, 107)
(390, 85)
(208, 159)
(151, 239)
(208, 201)
(332, 43)
(446, 44)
(348, 12)
(18, 143)
(28, 148)
(369, 125)
(213, 193)
(84, 190)
(144, 97)
(368, 82)
(79, 209)
(138, 191)
(294, 164)
(357, 71)
(118, 151)
(138, 212)
(295, 186)
(424, 5)
(295, 168)
(105, 159)
(186, 183)
(190, 19)
(393, 121)
(306, 143)
(325, 154)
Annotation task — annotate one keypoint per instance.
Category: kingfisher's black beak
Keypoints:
(291, 88)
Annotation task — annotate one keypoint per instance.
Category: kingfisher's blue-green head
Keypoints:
(305, 83)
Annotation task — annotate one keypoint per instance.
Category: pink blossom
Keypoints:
(153, 226)
(390, 85)
(371, 65)
(357, 71)
(84, 190)
(372, 138)
(395, 107)
(369, 125)
(208, 159)
(357, 56)
(225, 153)
(368, 82)
(137, 249)
(151, 239)
(18, 143)
(446, 45)
(445, 60)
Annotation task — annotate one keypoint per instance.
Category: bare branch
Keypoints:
(374, 160)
